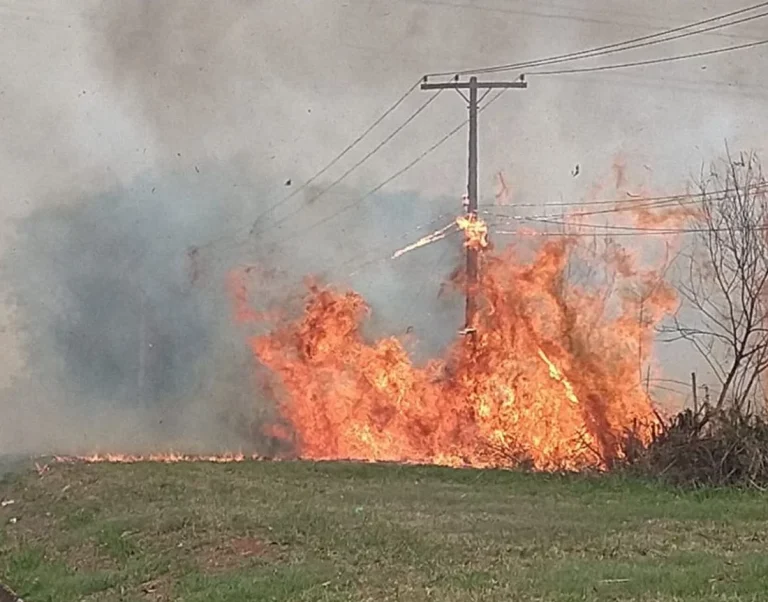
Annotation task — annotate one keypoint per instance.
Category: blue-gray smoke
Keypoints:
(122, 303)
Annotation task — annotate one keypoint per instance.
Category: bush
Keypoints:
(712, 448)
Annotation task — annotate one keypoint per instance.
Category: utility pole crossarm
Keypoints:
(467, 85)
(472, 194)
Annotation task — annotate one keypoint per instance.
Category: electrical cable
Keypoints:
(581, 54)
(648, 43)
(228, 237)
(667, 59)
(378, 147)
(615, 47)
(647, 232)
(627, 205)
(341, 155)
(394, 176)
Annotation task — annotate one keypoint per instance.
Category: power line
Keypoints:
(378, 251)
(618, 201)
(670, 390)
(376, 256)
(370, 154)
(357, 266)
(669, 39)
(551, 60)
(624, 231)
(667, 59)
(640, 199)
(599, 49)
(390, 179)
(648, 79)
(587, 18)
(601, 226)
(632, 204)
(399, 129)
(636, 204)
(655, 205)
(649, 43)
(342, 154)
(394, 176)
(556, 222)
(680, 201)
(637, 232)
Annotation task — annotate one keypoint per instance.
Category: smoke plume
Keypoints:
(144, 138)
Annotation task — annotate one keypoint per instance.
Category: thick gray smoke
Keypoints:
(130, 338)
(137, 132)
(126, 328)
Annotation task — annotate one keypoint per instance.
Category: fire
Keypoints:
(550, 381)
(169, 458)
(475, 231)
(425, 240)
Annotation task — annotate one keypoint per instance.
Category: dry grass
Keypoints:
(710, 448)
(301, 531)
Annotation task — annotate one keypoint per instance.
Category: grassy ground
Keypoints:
(298, 531)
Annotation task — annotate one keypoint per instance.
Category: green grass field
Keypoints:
(302, 531)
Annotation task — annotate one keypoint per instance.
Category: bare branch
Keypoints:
(726, 284)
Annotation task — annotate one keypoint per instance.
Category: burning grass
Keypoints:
(302, 531)
(549, 377)
(162, 458)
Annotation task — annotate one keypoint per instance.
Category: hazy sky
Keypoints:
(98, 93)
(228, 100)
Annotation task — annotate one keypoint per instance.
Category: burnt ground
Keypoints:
(302, 531)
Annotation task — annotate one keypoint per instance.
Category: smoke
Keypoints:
(140, 131)
(129, 337)
(284, 84)
(122, 319)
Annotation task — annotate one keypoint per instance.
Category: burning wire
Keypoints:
(426, 240)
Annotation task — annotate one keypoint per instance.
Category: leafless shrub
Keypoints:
(714, 447)
(723, 285)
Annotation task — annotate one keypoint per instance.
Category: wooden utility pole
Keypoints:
(695, 390)
(472, 255)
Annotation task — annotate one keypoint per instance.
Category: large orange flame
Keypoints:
(551, 379)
